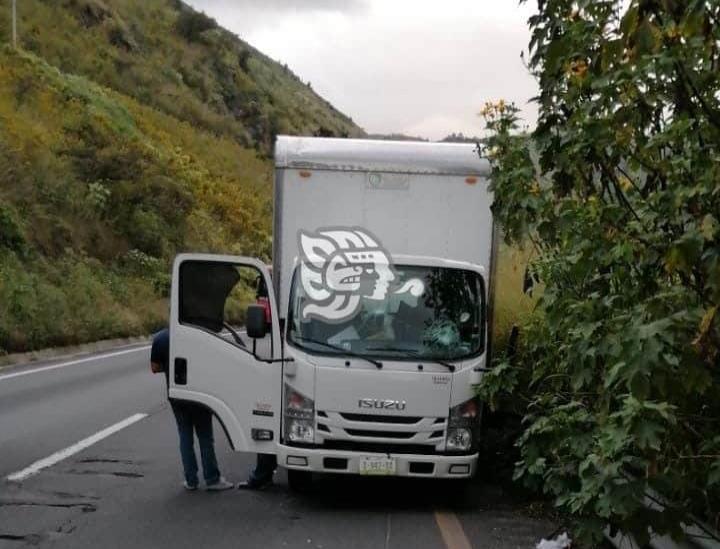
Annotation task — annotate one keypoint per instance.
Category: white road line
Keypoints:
(74, 449)
(73, 362)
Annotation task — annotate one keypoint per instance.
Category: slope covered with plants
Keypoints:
(130, 130)
(179, 61)
(97, 192)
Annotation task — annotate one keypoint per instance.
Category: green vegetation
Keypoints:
(168, 56)
(130, 130)
(617, 189)
(512, 306)
(97, 193)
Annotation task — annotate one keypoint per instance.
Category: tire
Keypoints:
(300, 481)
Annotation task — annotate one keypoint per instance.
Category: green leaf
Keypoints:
(629, 21)
(639, 385)
(647, 435)
(714, 475)
(709, 227)
(648, 37)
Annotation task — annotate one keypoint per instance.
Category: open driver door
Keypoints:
(213, 360)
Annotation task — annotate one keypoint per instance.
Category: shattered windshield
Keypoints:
(445, 321)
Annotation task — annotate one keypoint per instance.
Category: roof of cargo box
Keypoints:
(320, 153)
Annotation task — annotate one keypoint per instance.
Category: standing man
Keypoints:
(262, 476)
(189, 417)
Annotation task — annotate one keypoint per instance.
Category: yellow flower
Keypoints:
(673, 33)
(578, 68)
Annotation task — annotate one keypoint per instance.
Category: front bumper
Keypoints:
(320, 460)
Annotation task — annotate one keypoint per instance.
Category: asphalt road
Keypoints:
(125, 490)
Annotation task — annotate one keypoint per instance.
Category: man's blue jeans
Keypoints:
(192, 417)
(264, 469)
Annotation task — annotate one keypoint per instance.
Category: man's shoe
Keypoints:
(190, 487)
(254, 484)
(220, 485)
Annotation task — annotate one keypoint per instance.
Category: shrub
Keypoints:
(244, 59)
(192, 24)
(120, 36)
(11, 232)
(87, 235)
(72, 300)
(617, 187)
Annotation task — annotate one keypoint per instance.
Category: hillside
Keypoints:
(128, 134)
(97, 193)
(166, 55)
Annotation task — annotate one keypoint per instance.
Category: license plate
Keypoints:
(377, 466)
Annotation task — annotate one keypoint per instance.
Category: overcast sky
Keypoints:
(419, 67)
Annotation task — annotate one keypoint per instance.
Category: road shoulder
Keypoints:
(53, 355)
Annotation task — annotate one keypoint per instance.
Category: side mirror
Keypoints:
(255, 323)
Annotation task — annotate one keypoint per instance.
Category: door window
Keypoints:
(214, 298)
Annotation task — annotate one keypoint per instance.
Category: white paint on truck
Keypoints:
(415, 197)
(394, 398)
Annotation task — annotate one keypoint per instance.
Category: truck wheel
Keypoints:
(299, 481)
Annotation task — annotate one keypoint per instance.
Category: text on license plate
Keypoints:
(377, 466)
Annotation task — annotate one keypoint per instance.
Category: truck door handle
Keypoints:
(180, 371)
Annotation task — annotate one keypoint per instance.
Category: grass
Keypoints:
(125, 139)
(130, 130)
(512, 305)
(167, 56)
(97, 194)
(73, 300)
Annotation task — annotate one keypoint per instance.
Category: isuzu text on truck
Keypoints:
(359, 352)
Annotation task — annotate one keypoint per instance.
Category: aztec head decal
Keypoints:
(339, 267)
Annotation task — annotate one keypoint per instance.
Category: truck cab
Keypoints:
(374, 324)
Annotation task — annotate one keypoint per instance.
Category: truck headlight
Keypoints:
(459, 440)
(462, 423)
(299, 417)
(300, 430)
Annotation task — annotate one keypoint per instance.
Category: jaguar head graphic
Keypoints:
(339, 268)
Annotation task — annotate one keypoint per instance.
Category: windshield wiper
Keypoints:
(414, 353)
(338, 348)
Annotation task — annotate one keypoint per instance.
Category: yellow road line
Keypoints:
(452, 531)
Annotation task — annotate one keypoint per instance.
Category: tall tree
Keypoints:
(618, 188)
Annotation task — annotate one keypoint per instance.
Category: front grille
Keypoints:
(378, 434)
(369, 418)
(379, 448)
(427, 433)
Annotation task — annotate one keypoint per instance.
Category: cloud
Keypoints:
(415, 66)
(287, 6)
(245, 17)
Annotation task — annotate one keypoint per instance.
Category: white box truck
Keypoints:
(360, 351)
